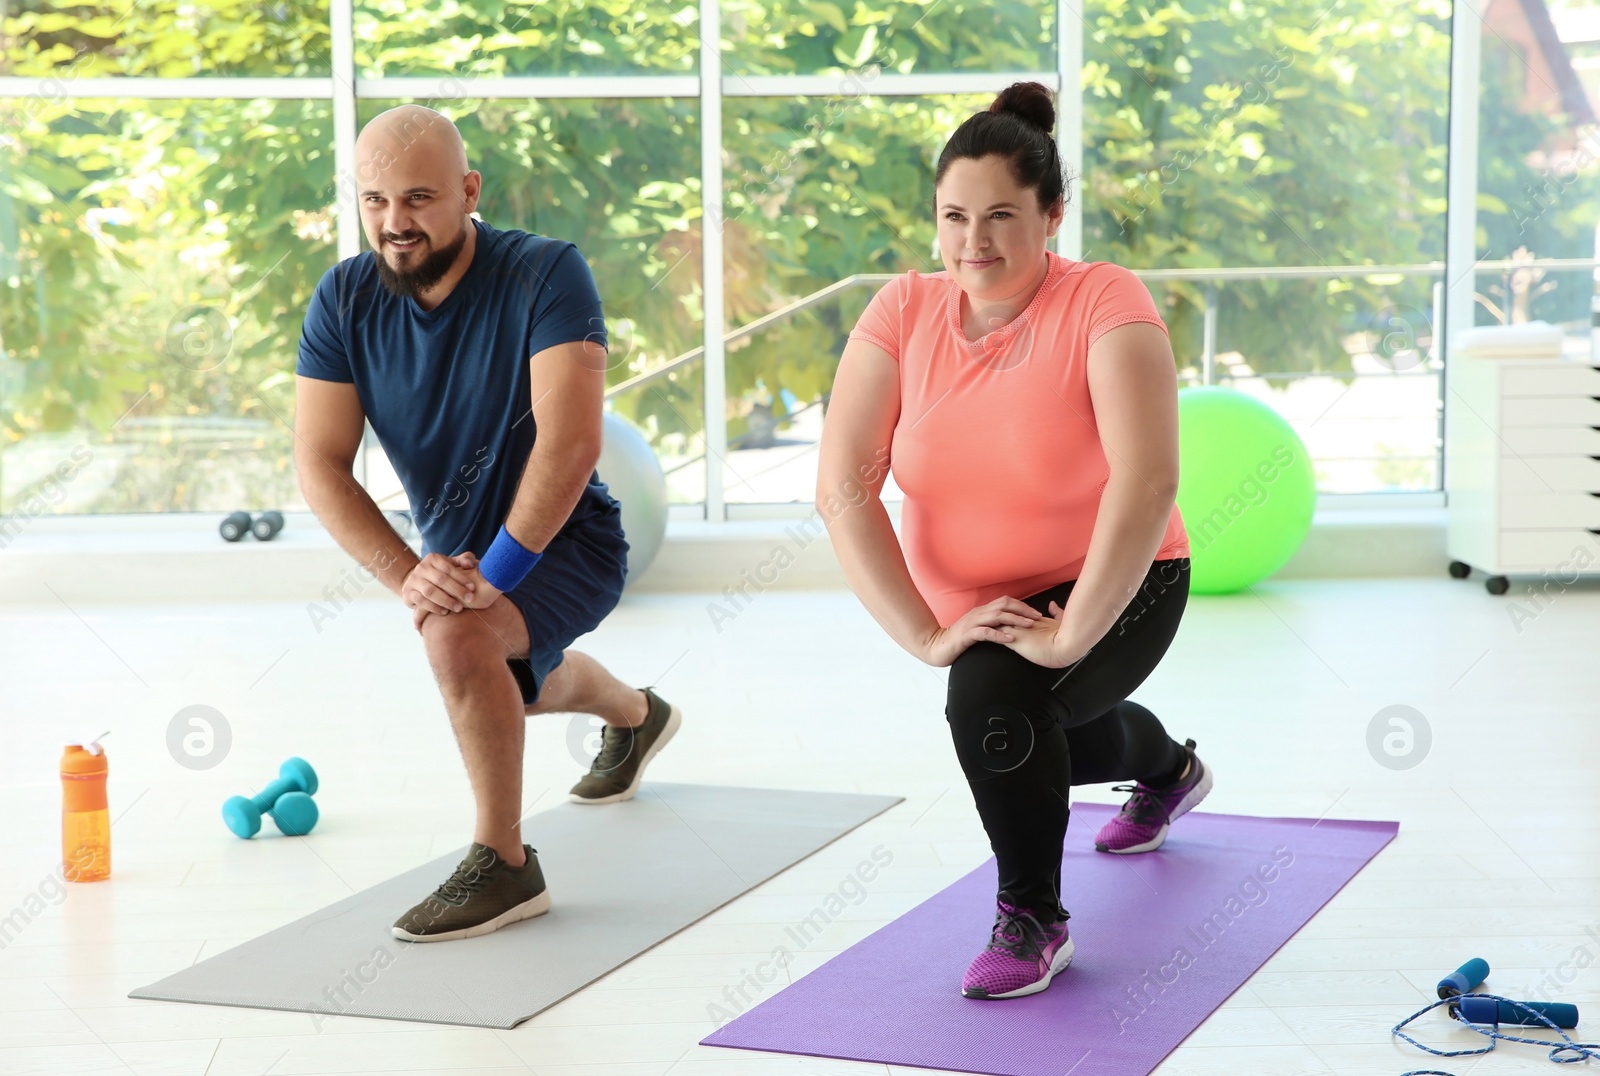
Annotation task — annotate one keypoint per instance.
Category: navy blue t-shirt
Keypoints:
(447, 390)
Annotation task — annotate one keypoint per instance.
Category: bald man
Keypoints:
(478, 355)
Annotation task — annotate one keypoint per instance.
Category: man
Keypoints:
(478, 356)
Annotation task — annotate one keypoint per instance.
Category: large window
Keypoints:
(155, 256)
(1275, 170)
(1538, 166)
(821, 189)
(1280, 142)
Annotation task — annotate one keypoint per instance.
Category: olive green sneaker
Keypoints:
(624, 752)
(482, 895)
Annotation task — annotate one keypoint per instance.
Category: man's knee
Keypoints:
(460, 646)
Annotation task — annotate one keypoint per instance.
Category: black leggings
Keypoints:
(1025, 733)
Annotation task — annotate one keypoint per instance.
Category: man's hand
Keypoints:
(1048, 641)
(439, 585)
(483, 591)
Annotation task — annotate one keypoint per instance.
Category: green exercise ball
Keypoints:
(1246, 488)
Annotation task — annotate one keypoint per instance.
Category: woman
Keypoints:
(1028, 406)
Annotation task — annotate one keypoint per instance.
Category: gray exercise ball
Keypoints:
(628, 466)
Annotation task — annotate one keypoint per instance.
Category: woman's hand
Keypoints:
(1048, 641)
(984, 624)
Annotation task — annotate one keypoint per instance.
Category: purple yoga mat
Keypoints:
(1161, 940)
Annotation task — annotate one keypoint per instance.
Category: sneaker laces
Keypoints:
(1143, 806)
(616, 741)
(469, 880)
(1019, 933)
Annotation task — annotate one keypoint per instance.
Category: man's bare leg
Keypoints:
(468, 652)
(581, 685)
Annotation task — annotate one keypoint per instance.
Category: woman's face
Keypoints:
(991, 232)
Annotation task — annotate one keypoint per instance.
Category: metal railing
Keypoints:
(783, 313)
(1211, 277)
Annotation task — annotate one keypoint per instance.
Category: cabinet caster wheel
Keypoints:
(1459, 570)
(1497, 584)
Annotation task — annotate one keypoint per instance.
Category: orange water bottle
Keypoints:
(85, 821)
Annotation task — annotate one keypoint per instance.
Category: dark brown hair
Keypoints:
(1016, 126)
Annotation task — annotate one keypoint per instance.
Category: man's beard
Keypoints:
(425, 264)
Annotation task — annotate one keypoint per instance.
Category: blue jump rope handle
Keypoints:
(1479, 1010)
(1465, 979)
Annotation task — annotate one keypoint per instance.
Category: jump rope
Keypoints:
(1484, 1013)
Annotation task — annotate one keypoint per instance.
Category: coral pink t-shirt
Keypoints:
(996, 448)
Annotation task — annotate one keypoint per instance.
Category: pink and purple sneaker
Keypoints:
(1022, 957)
(1149, 813)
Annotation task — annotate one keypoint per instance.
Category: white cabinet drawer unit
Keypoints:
(1522, 469)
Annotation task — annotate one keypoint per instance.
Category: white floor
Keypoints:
(1498, 853)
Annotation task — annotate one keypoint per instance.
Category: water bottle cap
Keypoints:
(92, 746)
(78, 761)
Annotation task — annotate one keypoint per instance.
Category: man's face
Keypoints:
(417, 230)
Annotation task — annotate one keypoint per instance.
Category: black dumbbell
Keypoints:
(235, 526)
(267, 525)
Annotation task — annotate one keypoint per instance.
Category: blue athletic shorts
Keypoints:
(574, 586)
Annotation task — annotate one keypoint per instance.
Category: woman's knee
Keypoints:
(996, 716)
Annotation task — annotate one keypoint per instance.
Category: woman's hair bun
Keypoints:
(1032, 101)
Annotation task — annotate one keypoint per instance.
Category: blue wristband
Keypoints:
(506, 563)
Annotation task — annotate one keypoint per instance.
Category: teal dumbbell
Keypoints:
(288, 800)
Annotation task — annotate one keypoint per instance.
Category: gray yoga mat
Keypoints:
(622, 878)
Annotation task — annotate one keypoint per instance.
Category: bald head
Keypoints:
(416, 196)
(412, 134)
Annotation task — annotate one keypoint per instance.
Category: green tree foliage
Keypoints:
(61, 40)
(810, 37)
(408, 38)
(1251, 133)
